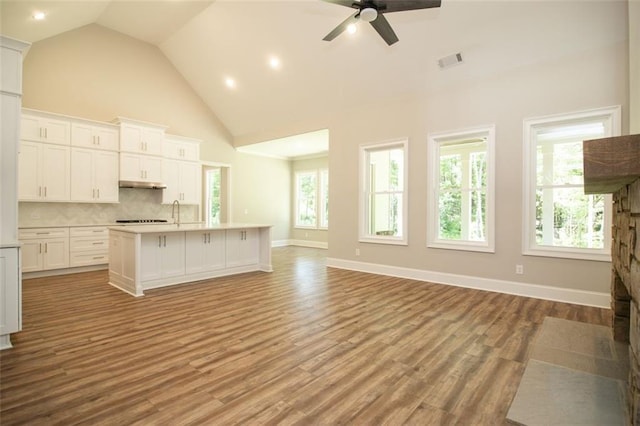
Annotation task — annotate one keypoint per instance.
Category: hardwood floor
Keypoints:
(305, 344)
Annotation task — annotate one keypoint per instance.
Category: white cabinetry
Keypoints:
(181, 148)
(94, 176)
(96, 136)
(11, 290)
(140, 138)
(41, 128)
(205, 251)
(242, 247)
(43, 173)
(44, 248)
(183, 181)
(162, 255)
(88, 245)
(141, 168)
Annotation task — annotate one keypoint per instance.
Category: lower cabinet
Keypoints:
(11, 291)
(88, 245)
(44, 248)
(162, 255)
(205, 251)
(242, 247)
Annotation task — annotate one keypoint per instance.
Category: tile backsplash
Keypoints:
(134, 204)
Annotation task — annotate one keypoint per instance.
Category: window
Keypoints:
(213, 180)
(461, 185)
(312, 199)
(383, 203)
(560, 220)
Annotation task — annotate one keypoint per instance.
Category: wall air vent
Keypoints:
(449, 61)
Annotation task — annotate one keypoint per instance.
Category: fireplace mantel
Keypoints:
(610, 163)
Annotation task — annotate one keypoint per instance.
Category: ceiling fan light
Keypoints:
(368, 14)
(352, 28)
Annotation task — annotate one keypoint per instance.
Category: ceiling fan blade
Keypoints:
(400, 5)
(347, 3)
(381, 25)
(340, 28)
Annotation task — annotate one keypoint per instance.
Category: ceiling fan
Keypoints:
(372, 11)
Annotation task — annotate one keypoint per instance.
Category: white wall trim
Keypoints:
(306, 243)
(537, 291)
(63, 271)
(280, 243)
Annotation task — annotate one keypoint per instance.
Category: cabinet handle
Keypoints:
(98, 243)
(39, 191)
(204, 238)
(98, 190)
(98, 257)
(165, 240)
(209, 237)
(98, 139)
(43, 233)
(93, 193)
(159, 241)
(45, 247)
(39, 247)
(46, 136)
(45, 192)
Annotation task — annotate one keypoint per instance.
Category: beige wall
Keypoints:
(96, 73)
(314, 237)
(592, 79)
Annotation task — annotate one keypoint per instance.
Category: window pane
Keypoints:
(560, 163)
(450, 171)
(306, 199)
(385, 170)
(479, 169)
(450, 215)
(576, 219)
(385, 214)
(213, 182)
(478, 225)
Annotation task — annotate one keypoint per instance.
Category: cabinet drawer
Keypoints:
(78, 244)
(86, 259)
(89, 231)
(40, 233)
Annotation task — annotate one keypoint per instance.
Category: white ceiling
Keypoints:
(304, 145)
(210, 41)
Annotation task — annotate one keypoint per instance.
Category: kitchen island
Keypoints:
(150, 256)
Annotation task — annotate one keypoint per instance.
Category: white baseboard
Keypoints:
(311, 244)
(537, 291)
(280, 243)
(64, 271)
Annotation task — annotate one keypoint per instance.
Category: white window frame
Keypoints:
(297, 175)
(363, 211)
(323, 219)
(434, 142)
(611, 116)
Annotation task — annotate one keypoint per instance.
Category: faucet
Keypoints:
(173, 206)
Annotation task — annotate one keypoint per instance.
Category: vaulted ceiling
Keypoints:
(210, 41)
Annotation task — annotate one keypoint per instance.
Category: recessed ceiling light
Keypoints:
(351, 28)
(231, 83)
(274, 62)
(39, 16)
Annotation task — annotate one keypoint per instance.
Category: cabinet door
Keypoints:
(190, 183)
(82, 188)
(195, 260)
(105, 176)
(82, 135)
(10, 288)
(130, 138)
(171, 177)
(56, 131)
(31, 255)
(29, 170)
(152, 167)
(30, 128)
(242, 247)
(107, 138)
(56, 172)
(56, 253)
(150, 260)
(215, 250)
(173, 261)
(152, 141)
(130, 167)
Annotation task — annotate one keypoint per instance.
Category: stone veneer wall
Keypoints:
(625, 285)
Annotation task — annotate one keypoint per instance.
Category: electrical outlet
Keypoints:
(357, 252)
(519, 269)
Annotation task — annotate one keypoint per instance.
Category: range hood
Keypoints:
(144, 185)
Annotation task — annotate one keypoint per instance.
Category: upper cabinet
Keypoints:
(95, 136)
(140, 137)
(37, 127)
(43, 172)
(181, 148)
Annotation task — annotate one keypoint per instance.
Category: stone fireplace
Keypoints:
(612, 165)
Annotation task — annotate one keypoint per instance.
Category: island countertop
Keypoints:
(186, 227)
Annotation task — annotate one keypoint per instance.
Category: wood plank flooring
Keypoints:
(303, 345)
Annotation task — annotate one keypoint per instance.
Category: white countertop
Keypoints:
(150, 229)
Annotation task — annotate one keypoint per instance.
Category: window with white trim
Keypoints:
(312, 199)
(461, 185)
(383, 189)
(560, 219)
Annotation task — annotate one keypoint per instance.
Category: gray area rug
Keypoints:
(576, 374)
